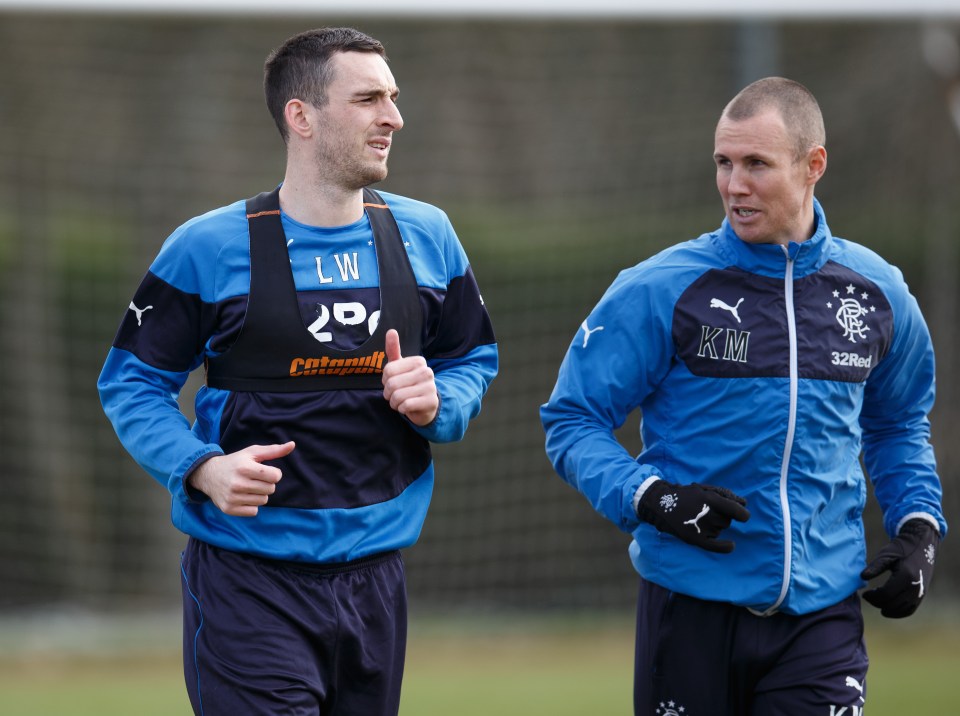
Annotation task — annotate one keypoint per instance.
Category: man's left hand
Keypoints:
(408, 383)
(909, 558)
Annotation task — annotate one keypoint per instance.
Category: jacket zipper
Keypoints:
(791, 426)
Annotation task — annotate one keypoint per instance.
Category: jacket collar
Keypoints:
(770, 259)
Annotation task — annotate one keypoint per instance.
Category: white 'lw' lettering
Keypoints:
(348, 266)
(323, 279)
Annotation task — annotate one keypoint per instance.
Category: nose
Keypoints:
(391, 116)
(738, 182)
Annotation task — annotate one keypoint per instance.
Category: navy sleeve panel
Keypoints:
(463, 322)
(165, 327)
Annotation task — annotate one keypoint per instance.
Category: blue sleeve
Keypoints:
(896, 430)
(160, 341)
(460, 346)
(619, 355)
(140, 401)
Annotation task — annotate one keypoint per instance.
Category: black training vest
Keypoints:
(275, 352)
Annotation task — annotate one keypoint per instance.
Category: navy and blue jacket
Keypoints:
(767, 370)
(361, 477)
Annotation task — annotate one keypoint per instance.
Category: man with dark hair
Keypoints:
(764, 358)
(341, 331)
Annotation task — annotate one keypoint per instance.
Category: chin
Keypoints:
(374, 175)
(365, 179)
(750, 237)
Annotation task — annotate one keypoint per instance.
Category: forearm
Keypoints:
(141, 404)
(903, 471)
(461, 385)
(898, 397)
(587, 455)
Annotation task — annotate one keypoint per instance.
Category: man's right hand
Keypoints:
(238, 483)
(695, 513)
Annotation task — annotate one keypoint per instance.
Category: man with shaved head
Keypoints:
(766, 357)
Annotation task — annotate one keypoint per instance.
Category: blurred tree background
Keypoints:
(563, 151)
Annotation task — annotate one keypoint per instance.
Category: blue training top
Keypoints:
(360, 479)
(764, 369)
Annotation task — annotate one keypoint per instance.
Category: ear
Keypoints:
(816, 164)
(298, 117)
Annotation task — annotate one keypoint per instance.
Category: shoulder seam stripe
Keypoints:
(376, 206)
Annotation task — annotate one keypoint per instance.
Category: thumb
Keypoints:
(719, 546)
(736, 511)
(877, 567)
(393, 345)
(728, 504)
(261, 453)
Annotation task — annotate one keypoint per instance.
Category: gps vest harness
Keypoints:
(275, 352)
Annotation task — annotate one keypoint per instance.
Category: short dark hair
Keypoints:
(796, 104)
(300, 67)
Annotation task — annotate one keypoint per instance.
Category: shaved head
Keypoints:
(795, 104)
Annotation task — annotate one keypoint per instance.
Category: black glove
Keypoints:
(909, 558)
(697, 514)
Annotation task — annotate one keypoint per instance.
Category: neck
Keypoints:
(808, 221)
(318, 203)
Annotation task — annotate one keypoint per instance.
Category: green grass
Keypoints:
(913, 671)
(51, 685)
(506, 668)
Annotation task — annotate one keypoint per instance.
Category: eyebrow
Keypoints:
(377, 91)
(747, 157)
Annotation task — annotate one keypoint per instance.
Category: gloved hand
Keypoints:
(695, 513)
(909, 558)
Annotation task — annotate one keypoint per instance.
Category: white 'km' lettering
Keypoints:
(735, 346)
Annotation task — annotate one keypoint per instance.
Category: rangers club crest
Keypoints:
(850, 312)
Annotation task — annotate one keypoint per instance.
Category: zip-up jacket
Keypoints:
(361, 476)
(768, 370)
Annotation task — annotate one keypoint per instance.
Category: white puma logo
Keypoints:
(696, 519)
(717, 303)
(854, 684)
(920, 582)
(139, 312)
(587, 331)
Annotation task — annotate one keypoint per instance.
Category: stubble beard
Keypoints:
(342, 165)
